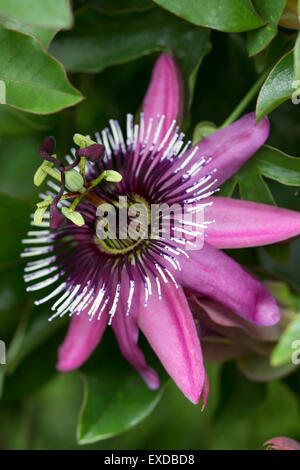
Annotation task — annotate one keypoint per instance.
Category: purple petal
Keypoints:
(228, 149)
(169, 326)
(215, 275)
(164, 94)
(232, 146)
(242, 223)
(126, 331)
(82, 338)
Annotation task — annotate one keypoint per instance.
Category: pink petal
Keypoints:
(165, 93)
(227, 320)
(228, 149)
(82, 338)
(126, 331)
(170, 329)
(242, 223)
(232, 146)
(212, 273)
(282, 443)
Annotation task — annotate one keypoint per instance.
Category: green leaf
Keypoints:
(40, 86)
(118, 6)
(228, 15)
(270, 11)
(43, 34)
(278, 166)
(45, 14)
(99, 41)
(259, 368)
(297, 59)
(203, 129)
(290, 338)
(277, 88)
(18, 123)
(10, 125)
(280, 45)
(267, 162)
(115, 396)
(39, 19)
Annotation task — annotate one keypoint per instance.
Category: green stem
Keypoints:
(98, 179)
(236, 113)
(75, 203)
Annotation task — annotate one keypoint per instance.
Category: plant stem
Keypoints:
(245, 101)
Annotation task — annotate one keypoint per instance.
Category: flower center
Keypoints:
(122, 225)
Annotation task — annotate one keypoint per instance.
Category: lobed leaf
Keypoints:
(39, 85)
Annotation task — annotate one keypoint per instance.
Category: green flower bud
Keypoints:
(40, 174)
(74, 216)
(74, 181)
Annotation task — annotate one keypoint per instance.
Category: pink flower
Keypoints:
(282, 443)
(142, 285)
